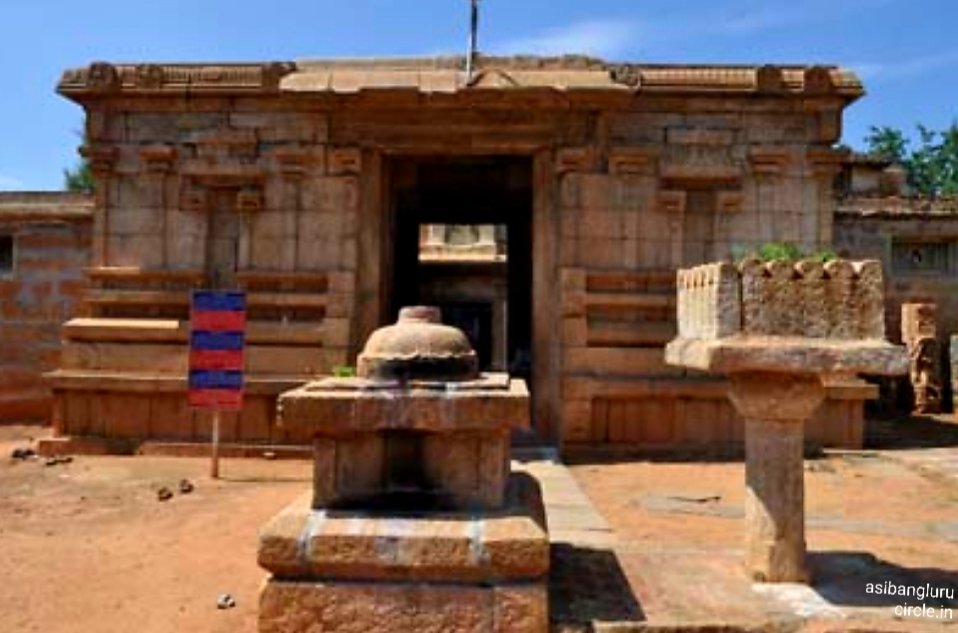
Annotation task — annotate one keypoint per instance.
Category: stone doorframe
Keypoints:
(373, 285)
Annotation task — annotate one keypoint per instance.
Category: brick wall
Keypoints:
(51, 244)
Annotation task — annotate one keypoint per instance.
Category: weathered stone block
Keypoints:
(509, 544)
(376, 607)
(765, 317)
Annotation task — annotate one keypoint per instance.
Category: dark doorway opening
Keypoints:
(461, 230)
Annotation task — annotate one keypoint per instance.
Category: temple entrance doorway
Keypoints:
(460, 237)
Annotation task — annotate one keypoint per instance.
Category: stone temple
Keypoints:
(323, 187)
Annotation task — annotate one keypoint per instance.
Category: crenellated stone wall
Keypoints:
(839, 299)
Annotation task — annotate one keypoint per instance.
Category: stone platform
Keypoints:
(369, 571)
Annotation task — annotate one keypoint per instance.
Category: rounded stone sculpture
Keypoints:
(418, 347)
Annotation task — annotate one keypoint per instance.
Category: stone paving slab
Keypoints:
(570, 514)
(610, 575)
(939, 462)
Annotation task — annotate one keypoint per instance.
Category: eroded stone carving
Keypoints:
(149, 76)
(919, 334)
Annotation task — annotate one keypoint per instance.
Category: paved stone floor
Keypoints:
(656, 546)
(935, 462)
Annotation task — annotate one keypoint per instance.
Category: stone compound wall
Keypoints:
(51, 244)
(884, 236)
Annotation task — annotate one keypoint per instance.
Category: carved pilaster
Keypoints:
(345, 161)
(249, 199)
(576, 159)
(194, 197)
(633, 161)
(158, 162)
(769, 161)
(102, 161)
(825, 165)
(673, 204)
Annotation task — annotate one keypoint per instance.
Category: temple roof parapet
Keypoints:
(445, 75)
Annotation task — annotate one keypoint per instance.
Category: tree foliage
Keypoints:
(932, 167)
(79, 179)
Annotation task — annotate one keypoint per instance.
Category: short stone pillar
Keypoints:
(777, 329)
(775, 407)
(919, 334)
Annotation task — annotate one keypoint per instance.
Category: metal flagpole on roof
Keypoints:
(473, 40)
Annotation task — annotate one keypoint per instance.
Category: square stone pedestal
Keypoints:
(380, 438)
(355, 570)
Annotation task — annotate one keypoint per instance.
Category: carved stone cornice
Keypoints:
(158, 159)
(769, 161)
(249, 199)
(827, 162)
(576, 159)
(728, 201)
(345, 161)
(103, 78)
(295, 162)
(427, 75)
(770, 80)
(671, 201)
(630, 161)
(101, 158)
(819, 82)
(194, 197)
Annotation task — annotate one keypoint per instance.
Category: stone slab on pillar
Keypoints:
(775, 408)
(778, 330)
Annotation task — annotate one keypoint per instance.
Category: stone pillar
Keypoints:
(919, 334)
(953, 359)
(775, 408)
(436, 235)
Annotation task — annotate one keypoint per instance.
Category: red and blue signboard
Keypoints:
(217, 339)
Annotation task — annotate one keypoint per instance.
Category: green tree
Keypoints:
(78, 179)
(887, 143)
(932, 167)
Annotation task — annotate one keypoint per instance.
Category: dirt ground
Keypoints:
(86, 546)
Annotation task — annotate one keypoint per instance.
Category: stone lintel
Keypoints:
(505, 545)
(795, 354)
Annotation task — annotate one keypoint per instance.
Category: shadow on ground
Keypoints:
(915, 431)
(853, 579)
(586, 587)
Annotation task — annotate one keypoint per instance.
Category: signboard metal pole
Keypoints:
(215, 448)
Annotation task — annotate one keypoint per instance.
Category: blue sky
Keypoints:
(906, 52)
